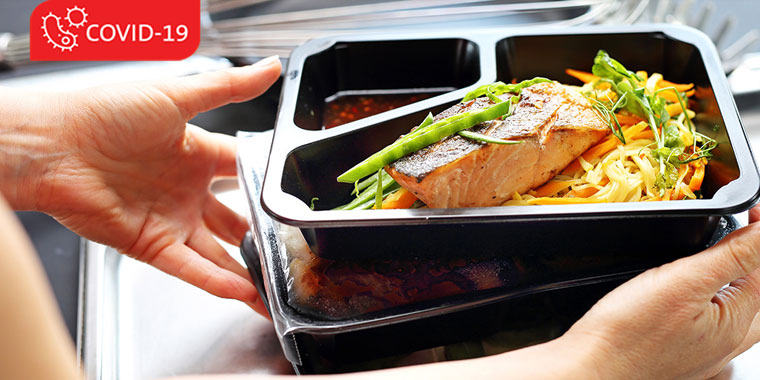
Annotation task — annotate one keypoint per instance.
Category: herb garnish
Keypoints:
(633, 97)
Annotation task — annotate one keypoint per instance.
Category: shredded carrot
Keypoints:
(583, 76)
(679, 87)
(562, 201)
(553, 187)
(628, 119)
(671, 96)
(603, 147)
(674, 109)
(594, 152)
(699, 174)
(583, 193)
(402, 198)
(666, 197)
(647, 134)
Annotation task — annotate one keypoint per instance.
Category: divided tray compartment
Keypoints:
(305, 160)
(381, 67)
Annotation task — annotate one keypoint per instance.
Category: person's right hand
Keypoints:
(120, 165)
(679, 321)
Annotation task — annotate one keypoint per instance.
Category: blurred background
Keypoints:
(237, 32)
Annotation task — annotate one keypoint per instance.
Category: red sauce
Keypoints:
(347, 108)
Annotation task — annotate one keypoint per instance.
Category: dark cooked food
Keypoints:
(339, 289)
(556, 126)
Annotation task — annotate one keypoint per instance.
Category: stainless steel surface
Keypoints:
(14, 49)
(390, 14)
(745, 79)
(698, 14)
(261, 35)
(213, 6)
(139, 323)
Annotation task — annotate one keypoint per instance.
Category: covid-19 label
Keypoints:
(97, 30)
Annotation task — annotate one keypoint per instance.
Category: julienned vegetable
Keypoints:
(656, 155)
(645, 98)
(366, 198)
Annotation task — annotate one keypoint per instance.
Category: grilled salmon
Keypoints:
(555, 124)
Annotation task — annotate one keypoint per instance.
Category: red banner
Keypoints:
(107, 30)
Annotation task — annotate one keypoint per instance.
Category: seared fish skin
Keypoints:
(556, 124)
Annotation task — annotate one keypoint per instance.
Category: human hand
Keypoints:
(127, 171)
(678, 321)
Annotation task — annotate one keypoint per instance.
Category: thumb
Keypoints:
(754, 214)
(736, 256)
(202, 92)
(740, 300)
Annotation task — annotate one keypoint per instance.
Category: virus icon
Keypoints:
(76, 17)
(56, 35)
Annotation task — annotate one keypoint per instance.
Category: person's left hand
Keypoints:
(683, 320)
(131, 174)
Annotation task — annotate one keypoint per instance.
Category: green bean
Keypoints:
(368, 194)
(369, 181)
(487, 139)
(428, 120)
(379, 191)
(359, 186)
(368, 204)
(499, 88)
(423, 137)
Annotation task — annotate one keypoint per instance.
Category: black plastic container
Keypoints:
(546, 291)
(304, 161)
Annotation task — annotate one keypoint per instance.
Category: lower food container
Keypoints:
(542, 291)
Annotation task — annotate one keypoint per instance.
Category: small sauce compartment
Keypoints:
(525, 57)
(347, 106)
(390, 74)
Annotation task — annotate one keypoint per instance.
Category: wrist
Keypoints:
(30, 148)
(583, 357)
(594, 356)
(564, 358)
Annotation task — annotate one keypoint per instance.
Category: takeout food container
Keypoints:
(305, 160)
(559, 252)
(542, 294)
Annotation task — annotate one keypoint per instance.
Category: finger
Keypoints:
(736, 256)
(223, 222)
(754, 214)
(739, 302)
(750, 339)
(202, 92)
(259, 307)
(225, 164)
(182, 262)
(204, 244)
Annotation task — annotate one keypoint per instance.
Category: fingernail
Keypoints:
(266, 61)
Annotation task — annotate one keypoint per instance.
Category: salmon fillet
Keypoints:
(556, 124)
